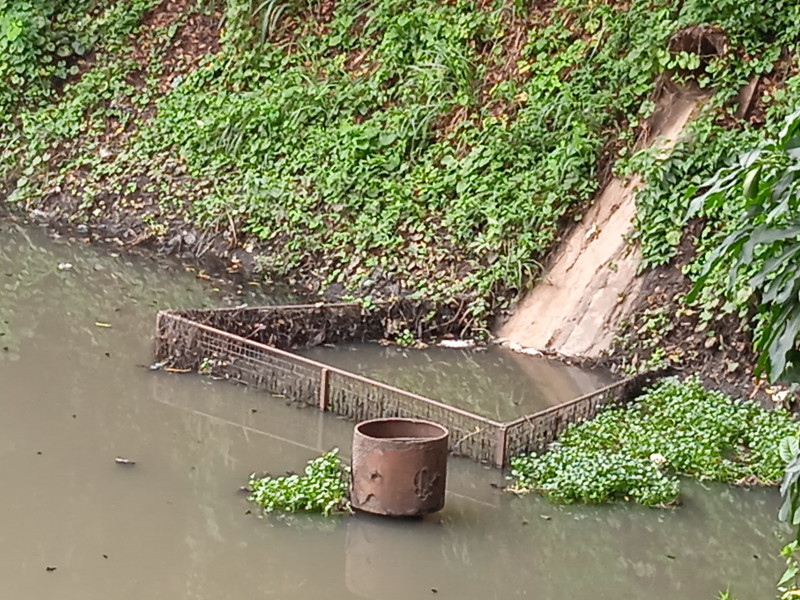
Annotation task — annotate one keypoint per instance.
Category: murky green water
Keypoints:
(73, 397)
(491, 381)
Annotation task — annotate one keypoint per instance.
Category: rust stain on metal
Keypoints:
(424, 483)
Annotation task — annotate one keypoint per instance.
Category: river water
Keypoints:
(75, 394)
(490, 381)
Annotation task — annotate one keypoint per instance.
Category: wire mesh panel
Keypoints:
(188, 344)
(277, 374)
(294, 326)
(360, 399)
(534, 433)
(225, 355)
(176, 342)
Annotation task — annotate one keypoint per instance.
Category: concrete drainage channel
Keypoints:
(254, 346)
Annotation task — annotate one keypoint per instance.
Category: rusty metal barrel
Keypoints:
(399, 467)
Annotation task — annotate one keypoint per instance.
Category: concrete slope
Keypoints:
(590, 284)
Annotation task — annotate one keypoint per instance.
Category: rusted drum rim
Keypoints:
(391, 430)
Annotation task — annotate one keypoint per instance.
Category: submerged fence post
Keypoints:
(158, 340)
(500, 448)
(323, 390)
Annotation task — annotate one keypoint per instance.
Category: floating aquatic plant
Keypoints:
(322, 487)
(636, 452)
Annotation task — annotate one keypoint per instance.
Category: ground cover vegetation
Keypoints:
(395, 146)
(637, 452)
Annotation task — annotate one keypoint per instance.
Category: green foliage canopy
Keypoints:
(760, 254)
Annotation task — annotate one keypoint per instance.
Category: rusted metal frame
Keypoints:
(527, 442)
(471, 434)
(591, 401)
(334, 370)
(280, 334)
(274, 363)
(284, 366)
(275, 308)
(161, 318)
(324, 390)
(494, 450)
(580, 399)
(427, 405)
(338, 314)
(388, 405)
(500, 447)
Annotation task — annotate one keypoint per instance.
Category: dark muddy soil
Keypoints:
(721, 352)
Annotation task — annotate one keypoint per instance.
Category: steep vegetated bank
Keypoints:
(410, 147)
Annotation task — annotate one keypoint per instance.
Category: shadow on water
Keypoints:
(173, 526)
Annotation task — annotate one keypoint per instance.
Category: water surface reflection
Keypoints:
(73, 396)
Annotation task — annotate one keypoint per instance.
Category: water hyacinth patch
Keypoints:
(636, 452)
(322, 488)
(571, 474)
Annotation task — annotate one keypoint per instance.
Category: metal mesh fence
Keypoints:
(533, 433)
(192, 340)
(359, 398)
